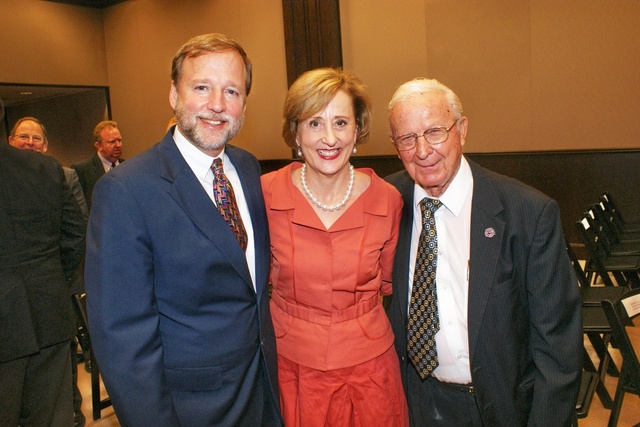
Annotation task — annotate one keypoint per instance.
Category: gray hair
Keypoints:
(421, 86)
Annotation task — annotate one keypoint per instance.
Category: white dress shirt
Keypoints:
(453, 226)
(200, 164)
(106, 164)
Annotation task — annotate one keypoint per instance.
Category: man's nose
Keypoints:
(423, 148)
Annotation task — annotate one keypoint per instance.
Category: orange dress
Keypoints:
(337, 365)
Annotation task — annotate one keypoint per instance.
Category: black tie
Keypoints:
(424, 321)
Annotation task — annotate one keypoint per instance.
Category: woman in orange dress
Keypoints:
(333, 232)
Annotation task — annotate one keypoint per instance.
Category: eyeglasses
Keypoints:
(433, 136)
(23, 137)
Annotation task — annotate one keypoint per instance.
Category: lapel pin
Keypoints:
(489, 232)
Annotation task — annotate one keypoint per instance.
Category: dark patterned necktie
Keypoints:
(424, 321)
(226, 202)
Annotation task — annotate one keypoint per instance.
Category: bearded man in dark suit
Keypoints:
(506, 348)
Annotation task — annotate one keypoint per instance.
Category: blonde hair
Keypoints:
(313, 90)
(103, 124)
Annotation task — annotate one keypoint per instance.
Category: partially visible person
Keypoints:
(41, 246)
(507, 349)
(176, 273)
(29, 133)
(108, 142)
(333, 231)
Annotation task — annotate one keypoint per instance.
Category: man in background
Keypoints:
(485, 310)
(108, 143)
(176, 291)
(41, 246)
(28, 133)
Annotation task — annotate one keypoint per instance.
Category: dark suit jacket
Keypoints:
(77, 281)
(89, 171)
(180, 335)
(41, 245)
(524, 312)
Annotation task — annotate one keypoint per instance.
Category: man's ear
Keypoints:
(173, 95)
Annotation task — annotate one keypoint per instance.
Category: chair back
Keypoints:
(611, 208)
(595, 250)
(620, 314)
(611, 213)
(577, 268)
(606, 222)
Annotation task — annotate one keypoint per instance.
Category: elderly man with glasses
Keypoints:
(485, 308)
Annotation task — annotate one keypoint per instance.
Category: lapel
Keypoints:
(187, 191)
(98, 168)
(405, 186)
(249, 173)
(486, 208)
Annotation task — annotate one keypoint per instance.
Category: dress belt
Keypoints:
(323, 317)
(467, 388)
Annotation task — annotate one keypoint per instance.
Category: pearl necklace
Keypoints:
(318, 203)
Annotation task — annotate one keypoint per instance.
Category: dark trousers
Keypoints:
(434, 404)
(37, 390)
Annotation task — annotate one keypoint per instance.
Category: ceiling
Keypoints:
(96, 4)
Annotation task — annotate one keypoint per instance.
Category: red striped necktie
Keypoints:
(226, 202)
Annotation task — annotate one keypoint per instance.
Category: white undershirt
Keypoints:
(200, 164)
(453, 225)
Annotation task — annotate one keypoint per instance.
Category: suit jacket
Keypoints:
(89, 171)
(70, 175)
(179, 333)
(524, 310)
(41, 245)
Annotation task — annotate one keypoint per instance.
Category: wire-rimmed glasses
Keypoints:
(433, 136)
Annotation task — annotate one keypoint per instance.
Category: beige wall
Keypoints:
(50, 43)
(142, 38)
(532, 75)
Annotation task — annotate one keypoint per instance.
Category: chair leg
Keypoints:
(617, 403)
(95, 389)
(599, 344)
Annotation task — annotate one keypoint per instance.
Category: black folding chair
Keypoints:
(597, 330)
(97, 403)
(620, 314)
(610, 206)
(601, 262)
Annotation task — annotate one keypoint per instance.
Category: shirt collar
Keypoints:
(106, 164)
(454, 196)
(199, 162)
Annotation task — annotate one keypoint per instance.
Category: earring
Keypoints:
(355, 149)
(299, 151)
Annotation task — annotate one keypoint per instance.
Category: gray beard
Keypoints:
(204, 140)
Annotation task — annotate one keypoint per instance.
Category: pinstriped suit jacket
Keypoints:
(524, 310)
